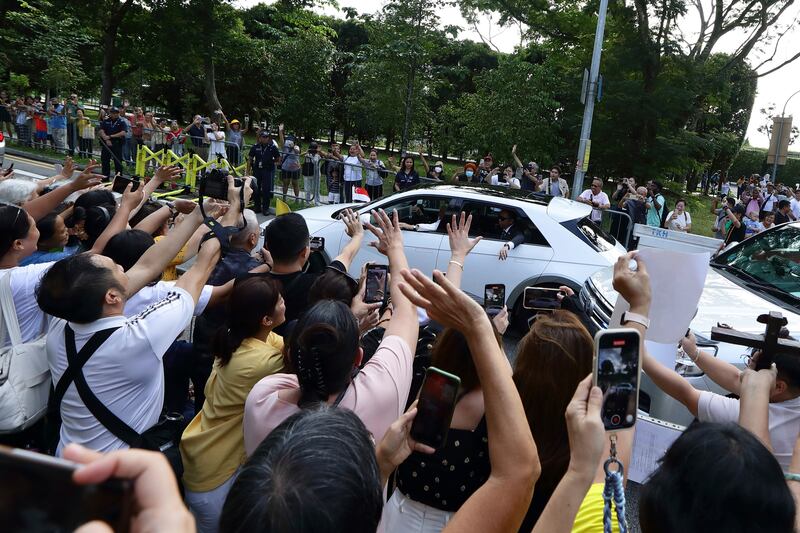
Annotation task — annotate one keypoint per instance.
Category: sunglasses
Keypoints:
(504, 218)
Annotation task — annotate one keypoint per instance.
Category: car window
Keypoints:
(485, 222)
(429, 212)
(772, 258)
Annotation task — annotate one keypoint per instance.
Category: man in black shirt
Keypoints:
(112, 135)
(736, 232)
(784, 212)
(261, 164)
(197, 135)
(287, 240)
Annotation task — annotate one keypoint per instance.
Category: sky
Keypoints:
(774, 88)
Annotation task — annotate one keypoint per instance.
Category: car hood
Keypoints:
(722, 301)
(317, 218)
(562, 209)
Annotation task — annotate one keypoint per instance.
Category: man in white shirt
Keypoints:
(88, 293)
(770, 200)
(794, 205)
(595, 197)
(784, 407)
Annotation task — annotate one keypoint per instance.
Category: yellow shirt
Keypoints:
(171, 272)
(590, 515)
(212, 446)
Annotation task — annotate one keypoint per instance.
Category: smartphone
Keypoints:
(541, 299)
(616, 371)
(377, 283)
(121, 183)
(317, 244)
(246, 119)
(37, 492)
(437, 401)
(494, 298)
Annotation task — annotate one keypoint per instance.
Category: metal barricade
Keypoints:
(619, 225)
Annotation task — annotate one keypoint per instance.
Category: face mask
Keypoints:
(469, 173)
(437, 169)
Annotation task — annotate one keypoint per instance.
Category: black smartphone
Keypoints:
(37, 494)
(541, 299)
(437, 401)
(616, 372)
(494, 298)
(317, 244)
(377, 283)
(121, 183)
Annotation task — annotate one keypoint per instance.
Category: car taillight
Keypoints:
(1, 137)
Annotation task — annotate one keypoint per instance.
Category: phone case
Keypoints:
(599, 335)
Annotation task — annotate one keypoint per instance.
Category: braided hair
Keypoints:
(322, 349)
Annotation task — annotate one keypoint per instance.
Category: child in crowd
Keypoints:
(334, 185)
(40, 127)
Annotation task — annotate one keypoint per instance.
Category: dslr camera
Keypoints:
(214, 183)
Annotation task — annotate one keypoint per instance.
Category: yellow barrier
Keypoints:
(191, 163)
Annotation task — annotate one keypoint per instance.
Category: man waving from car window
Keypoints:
(511, 232)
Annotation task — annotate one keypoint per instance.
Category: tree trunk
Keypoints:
(212, 101)
(110, 50)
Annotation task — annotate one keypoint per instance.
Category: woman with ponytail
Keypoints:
(246, 349)
(326, 359)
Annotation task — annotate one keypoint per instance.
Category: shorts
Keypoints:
(40, 135)
(290, 175)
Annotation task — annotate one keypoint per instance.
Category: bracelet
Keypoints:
(697, 355)
(456, 263)
(789, 476)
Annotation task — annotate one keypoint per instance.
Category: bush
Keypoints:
(754, 160)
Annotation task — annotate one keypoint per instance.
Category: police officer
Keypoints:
(112, 135)
(261, 164)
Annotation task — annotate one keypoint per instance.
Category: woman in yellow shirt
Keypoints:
(246, 350)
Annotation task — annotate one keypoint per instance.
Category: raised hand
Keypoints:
(68, 169)
(443, 302)
(130, 198)
(397, 444)
(352, 222)
(167, 173)
(633, 285)
(184, 206)
(87, 178)
(388, 232)
(458, 233)
(585, 428)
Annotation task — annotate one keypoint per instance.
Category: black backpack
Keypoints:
(664, 212)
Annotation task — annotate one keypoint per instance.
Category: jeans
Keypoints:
(375, 191)
(72, 137)
(207, 506)
(311, 187)
(401, 513)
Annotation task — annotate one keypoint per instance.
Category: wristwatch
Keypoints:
(627, 316)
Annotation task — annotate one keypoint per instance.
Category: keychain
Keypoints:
(614, 489)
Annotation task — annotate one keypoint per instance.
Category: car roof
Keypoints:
(480, 189)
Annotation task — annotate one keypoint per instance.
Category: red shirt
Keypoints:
(41, 124)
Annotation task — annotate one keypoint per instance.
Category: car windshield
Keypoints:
(596, 235)
(770, 260)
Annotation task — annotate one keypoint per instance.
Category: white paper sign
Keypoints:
(653, 438)
(676, 283)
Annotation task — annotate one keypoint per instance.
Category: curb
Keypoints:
(35, 157)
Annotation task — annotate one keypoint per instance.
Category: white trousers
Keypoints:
(207, 506)
(401, 514)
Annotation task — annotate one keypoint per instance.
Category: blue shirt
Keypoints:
(58, 121)
(47, 257)
(111, 126)
(406, 181)
(263, 157)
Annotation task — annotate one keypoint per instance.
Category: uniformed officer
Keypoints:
(261, 164)
(112, 135)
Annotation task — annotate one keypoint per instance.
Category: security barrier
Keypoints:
(191, 163)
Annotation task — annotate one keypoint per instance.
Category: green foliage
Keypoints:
(754, 160)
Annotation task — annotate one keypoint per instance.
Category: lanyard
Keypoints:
(614, 490)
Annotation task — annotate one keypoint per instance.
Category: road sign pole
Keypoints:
(591, 95)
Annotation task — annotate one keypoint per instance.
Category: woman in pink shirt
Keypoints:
(324, 352)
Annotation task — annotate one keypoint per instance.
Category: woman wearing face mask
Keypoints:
(468, 175)
(435, 173)
(376, 171)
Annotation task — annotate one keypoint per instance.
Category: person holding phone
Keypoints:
(595, 197)
(679, 219)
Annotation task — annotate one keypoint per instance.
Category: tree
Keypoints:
(767, 115)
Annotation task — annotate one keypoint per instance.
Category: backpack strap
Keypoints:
(74, 373)
(9, 325)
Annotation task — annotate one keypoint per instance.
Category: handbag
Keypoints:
(162, 437)
(88, 132)
(24, 371)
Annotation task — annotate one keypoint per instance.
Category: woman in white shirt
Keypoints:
(216, 139)
(506, 179)
(679, 219)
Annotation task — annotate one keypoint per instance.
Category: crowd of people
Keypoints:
(259, 392)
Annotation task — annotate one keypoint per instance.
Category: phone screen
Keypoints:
(494, 298)
(377, 283)
(317, 244)
(437, 401)
(541, 299)
(121, 182)
(38, 494)
(616, 372)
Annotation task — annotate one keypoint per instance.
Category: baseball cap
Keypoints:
(113, 110)
(235, 121)
(264, 133)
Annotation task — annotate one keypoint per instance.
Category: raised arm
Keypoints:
(514, 155)
(460, 246)
(281, 139)
(754, 402)
(634, 286)
(723, 374)
(46, 204)
(119, 222)
(404, 322)
(195, 278)
(356, 232)
(512, 451)
(424, 161)
(162, 175)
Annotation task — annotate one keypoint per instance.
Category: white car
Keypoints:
(562, 246)
(2, 147)
(759, 275)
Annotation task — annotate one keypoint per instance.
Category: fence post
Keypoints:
(139, 160)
